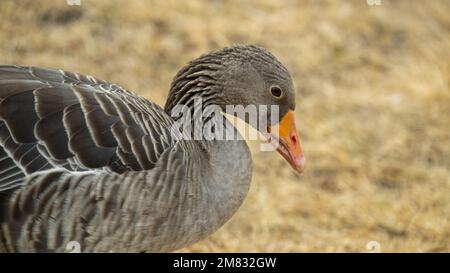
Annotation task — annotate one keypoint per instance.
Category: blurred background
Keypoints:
(373, 105)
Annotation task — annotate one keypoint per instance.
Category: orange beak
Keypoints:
(283, 136)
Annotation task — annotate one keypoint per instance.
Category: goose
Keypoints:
(86, 161)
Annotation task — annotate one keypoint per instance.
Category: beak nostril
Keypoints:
(294, 140)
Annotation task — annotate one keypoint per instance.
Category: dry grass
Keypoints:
(373, 105)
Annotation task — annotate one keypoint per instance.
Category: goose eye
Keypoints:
(276, 91)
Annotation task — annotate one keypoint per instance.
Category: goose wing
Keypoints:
(56, 119)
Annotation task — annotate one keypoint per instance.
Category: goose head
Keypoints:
(246, 76)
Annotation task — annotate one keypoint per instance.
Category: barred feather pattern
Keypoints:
(77, 119)
(88, 161)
